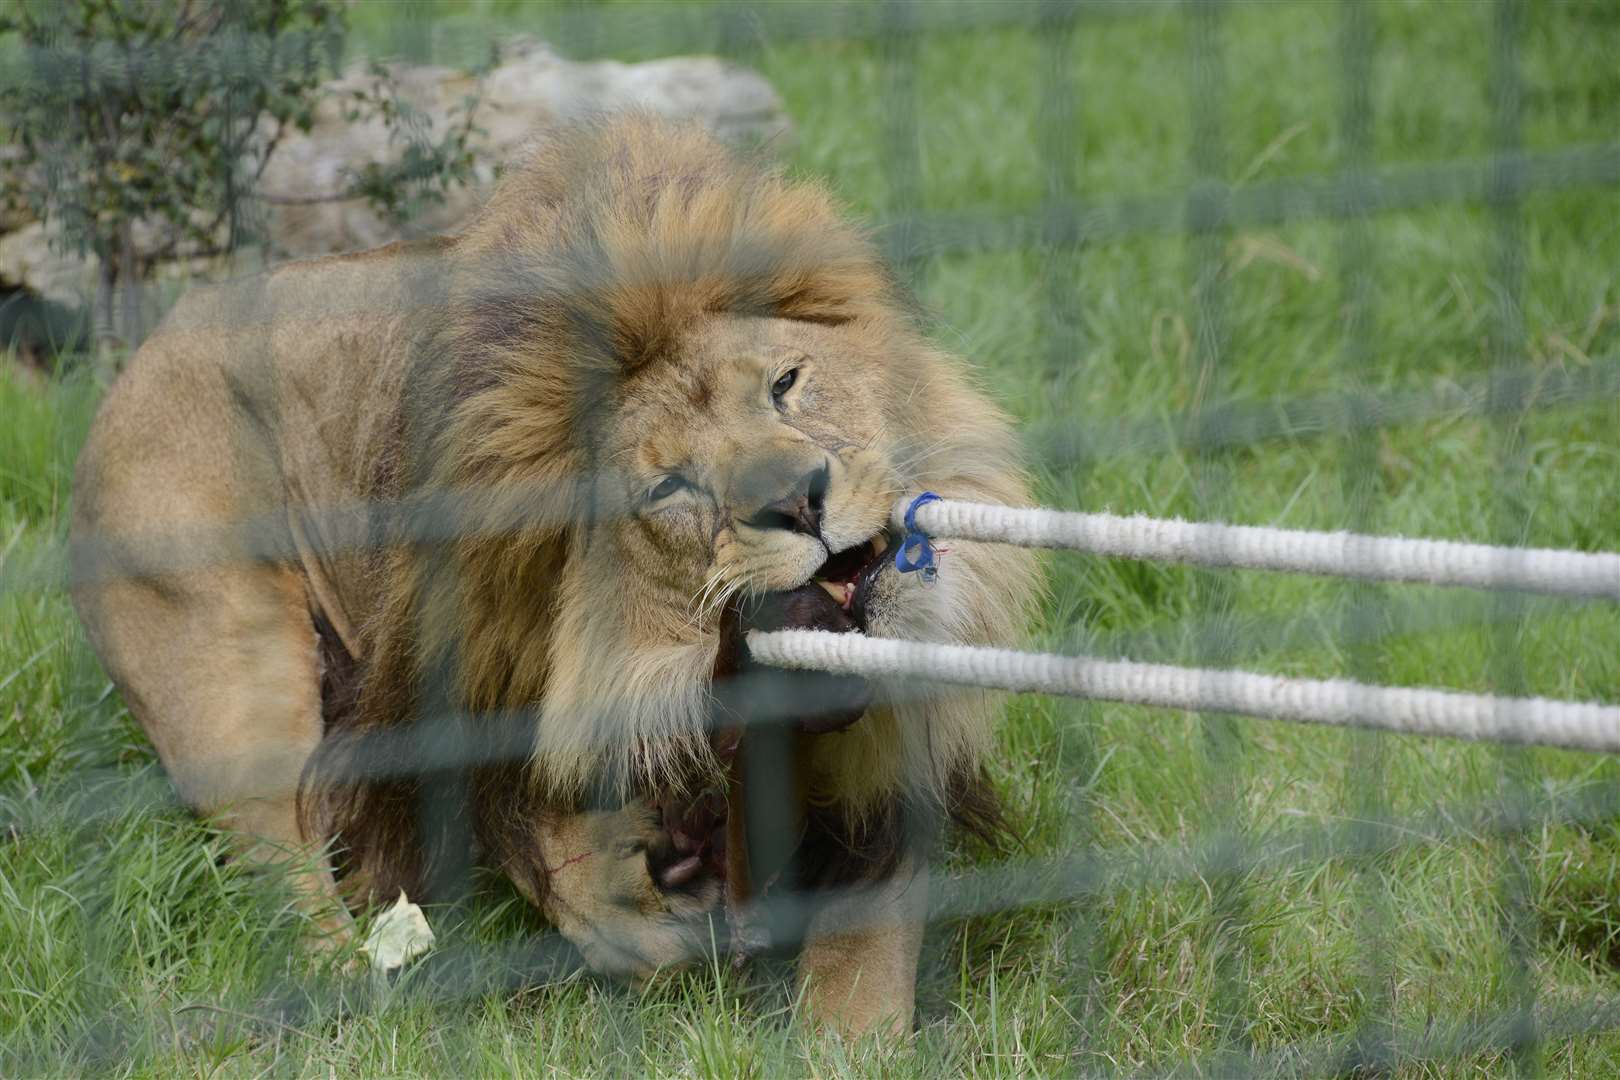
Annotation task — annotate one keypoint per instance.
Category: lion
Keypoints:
(442, 554)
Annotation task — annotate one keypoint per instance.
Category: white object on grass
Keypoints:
(397, 936)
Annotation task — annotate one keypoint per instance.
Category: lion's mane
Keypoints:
(589, 262)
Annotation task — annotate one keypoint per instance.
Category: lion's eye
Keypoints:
(784, 382)
(666, 487)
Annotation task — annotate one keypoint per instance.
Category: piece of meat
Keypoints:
(763, 706)
(816, 701)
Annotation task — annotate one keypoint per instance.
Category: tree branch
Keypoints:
(310, 200)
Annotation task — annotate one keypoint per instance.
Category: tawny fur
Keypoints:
(591, 267)
(618, 311)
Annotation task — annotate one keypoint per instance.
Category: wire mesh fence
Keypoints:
(450, 756)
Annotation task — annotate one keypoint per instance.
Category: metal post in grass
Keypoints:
(1207, 229)
(738, 34)
(1511, 510)
(580, 29)
(1363, 603)
(443, 734)
(897, 49)
(1061, 236)
(1060, 247)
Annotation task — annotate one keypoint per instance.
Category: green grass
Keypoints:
(127, 945)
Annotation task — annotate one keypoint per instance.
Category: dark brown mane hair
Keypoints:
(588, 261)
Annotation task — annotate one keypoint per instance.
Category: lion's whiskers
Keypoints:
(699, 605)
(716, 592)
(916, 456)
(727, 591)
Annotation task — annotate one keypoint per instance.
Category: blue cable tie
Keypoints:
(915, 540)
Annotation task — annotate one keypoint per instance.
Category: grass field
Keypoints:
(128, 946)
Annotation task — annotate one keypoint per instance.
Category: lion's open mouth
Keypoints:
(843, 574)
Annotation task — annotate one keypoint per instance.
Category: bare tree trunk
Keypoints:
(120, 313)
(108, 346)
(132, 314)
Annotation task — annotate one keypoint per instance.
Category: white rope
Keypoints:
(1339, 554)
(1575, 725)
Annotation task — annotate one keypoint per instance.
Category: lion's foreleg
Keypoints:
(858, 967)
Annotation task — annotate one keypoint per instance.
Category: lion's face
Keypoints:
(750, 458)
(753, 457)
(709, 368)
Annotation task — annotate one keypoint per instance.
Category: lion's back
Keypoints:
(273, 391)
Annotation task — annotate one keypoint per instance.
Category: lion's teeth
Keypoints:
(880, 544)
(835, 589)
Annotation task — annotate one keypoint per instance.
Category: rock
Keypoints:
(530, 89)
(29, 260)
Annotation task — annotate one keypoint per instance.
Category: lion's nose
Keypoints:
(800, 509)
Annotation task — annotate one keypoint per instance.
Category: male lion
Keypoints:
(550, 468)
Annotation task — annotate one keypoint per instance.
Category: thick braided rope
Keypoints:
(1337, 554)
(1341, 702)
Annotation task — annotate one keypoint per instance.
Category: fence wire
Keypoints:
(444, 745)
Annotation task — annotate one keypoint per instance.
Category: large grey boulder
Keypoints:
(531, 89)
(29, 260)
